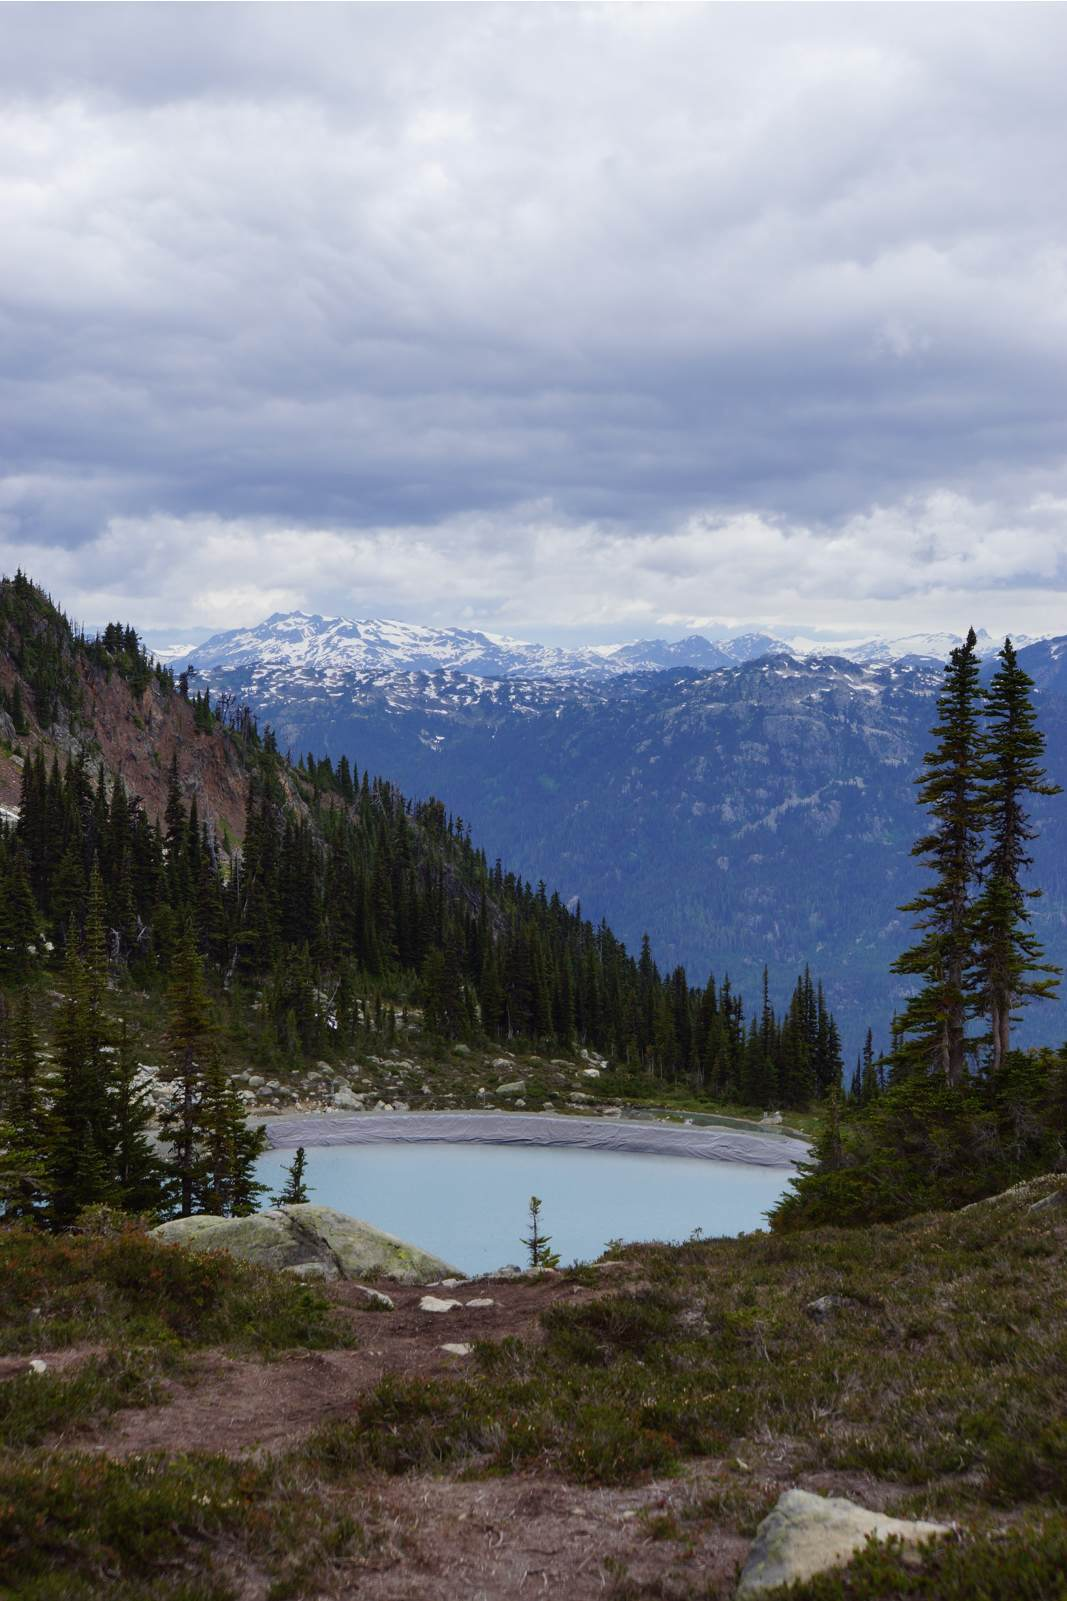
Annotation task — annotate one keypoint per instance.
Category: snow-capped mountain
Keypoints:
(301, 641)
(305, 640)
(926, 646)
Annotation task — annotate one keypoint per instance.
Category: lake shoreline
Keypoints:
(723, 1142)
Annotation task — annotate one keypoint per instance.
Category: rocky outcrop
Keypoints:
(310, 1241)
(806, 1534)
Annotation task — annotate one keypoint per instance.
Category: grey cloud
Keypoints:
(372, 268)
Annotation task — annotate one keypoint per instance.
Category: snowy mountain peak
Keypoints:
(305, 640)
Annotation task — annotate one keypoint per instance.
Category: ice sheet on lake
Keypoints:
(507, 1128)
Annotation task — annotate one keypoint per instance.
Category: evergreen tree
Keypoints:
(140, 1178)
(190, 1032)
(933, 1024)
(80, 1140)
(538, 1245)
(23, 1149)
(225, 1148)
(294, 1192)
(1008, 964)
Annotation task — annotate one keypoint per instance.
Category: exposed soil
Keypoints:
(486, 1539)
(238, 1406)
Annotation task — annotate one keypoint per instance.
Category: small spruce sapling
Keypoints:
(536, 1243)
(294, 1192)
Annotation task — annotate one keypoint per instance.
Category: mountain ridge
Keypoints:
(301, 640)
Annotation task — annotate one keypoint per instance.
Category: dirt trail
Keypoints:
(238, 1406)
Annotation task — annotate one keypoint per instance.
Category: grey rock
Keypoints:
(347, 1101)
(827, 1305)
(266, 1238)
(807, 1534)
(364, 1252)
(312, 1270)
(1051, 1203)
(309, 1236)
(376, 1297)
(434, 1303)
(517, 1087)
(461, 1050)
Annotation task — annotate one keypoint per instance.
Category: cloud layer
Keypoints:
(561, 319)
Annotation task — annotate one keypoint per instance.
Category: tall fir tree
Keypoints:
(933, 1024)
(190, 1033)
(1008, 960)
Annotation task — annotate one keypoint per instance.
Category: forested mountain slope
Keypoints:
(756, 814)
(317, 896)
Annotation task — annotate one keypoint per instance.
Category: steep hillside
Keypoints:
(106, 704)
(754, 814)
(330, 912)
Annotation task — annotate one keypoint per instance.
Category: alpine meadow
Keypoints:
(533, 802)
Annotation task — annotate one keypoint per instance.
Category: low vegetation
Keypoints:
(928, 1357)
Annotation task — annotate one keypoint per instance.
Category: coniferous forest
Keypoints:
(344, 907)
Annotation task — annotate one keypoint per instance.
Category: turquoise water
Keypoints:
(468, 1203)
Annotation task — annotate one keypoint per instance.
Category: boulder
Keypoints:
(806, 1534)
(347, 1101)
(364, 1252)
(518, 1087)
(309, 1237)
(266, 1238)
(435, 1303)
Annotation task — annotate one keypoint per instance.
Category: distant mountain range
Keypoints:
(758, 812)
(300, 641)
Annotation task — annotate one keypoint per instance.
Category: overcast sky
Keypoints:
(570, 322)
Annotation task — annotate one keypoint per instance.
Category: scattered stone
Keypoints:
(458, 1349)
(448, 1284)
(434, 1303)
(806, 1534)
(482, 1300)
(346, 1101)
(516, 1087)
(590, 1072)
(827, 1305)
(1050, 1203)
(461, 1050)
(37, 1365)
(502, 1062)
(376, 1297)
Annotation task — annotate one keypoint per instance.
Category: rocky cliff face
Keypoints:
(130, 729)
